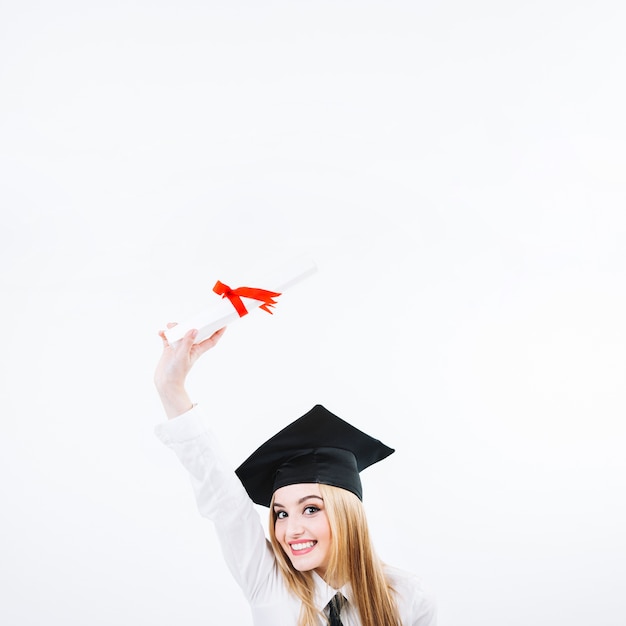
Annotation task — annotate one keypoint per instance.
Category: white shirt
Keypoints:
(222, 498)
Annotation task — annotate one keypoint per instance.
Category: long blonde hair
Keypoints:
(352, 559)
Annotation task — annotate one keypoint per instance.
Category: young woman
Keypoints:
(319, 566)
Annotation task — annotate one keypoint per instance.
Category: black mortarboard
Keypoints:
(319, 447)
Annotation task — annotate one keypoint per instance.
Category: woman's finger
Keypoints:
(206, 344)
(166, 343)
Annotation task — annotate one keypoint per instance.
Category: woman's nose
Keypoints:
(294, 527)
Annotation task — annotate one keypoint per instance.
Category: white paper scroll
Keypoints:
(222, 312)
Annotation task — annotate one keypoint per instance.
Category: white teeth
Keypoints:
(302, 546)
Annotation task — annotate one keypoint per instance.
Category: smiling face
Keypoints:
(301, 526)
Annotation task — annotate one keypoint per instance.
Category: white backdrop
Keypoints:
(455, 169)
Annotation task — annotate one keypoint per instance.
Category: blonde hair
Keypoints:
(352, 559)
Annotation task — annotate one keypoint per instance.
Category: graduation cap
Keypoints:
(319, 447)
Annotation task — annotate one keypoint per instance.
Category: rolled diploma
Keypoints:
(223, 312)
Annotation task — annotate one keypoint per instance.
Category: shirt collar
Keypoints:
(324, 592)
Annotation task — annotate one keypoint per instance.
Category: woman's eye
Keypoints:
(309, 510)
(281, 515)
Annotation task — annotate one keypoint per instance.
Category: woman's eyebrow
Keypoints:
(300, 501)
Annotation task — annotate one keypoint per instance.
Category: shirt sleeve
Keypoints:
(221, 497)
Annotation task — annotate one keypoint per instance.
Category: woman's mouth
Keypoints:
(302, 547)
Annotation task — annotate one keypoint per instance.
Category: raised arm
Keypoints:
(175, 363)
(219, 493)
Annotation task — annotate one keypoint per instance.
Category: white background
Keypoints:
(456, 170)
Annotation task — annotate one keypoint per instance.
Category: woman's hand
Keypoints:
(175, 363)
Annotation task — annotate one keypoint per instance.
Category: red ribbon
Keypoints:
(235, 295)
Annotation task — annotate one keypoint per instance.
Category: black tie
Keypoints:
(335, 606)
